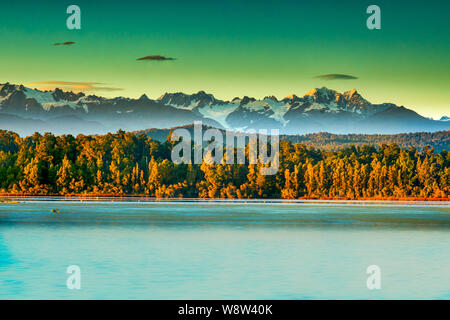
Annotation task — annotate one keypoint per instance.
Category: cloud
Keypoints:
(336, 76)
(64, 83)
(71, 86)
(155, 58)
(68, 43)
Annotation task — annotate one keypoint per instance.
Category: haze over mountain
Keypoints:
(439, 140)
(25, 110)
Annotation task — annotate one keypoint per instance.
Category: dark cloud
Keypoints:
(68, 43)
(336, 76)
(74, 86)
(155, 58)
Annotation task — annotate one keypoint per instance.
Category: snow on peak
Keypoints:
(350, 93)
(52, 99)
(291, 97)
(186, 101)
(321, 93)
(354, 98)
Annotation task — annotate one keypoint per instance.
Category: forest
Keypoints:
(125, 163)
(439, 140)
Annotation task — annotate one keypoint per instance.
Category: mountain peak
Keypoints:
(188, 101)
(144, 97)
(246, 100)
(203, 95)
(270, 98)
(7, 88)
(350, 93)
(354, 98)
(321, 92)
(59, 94)
(322, 95)
(291, 97)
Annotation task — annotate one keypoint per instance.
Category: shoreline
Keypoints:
(146, 197)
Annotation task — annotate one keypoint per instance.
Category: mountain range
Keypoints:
(26, 110)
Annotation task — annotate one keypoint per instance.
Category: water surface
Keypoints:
(132, 249)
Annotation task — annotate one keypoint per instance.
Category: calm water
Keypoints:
(224, 250)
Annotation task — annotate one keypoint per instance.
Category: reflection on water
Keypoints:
(220, 250)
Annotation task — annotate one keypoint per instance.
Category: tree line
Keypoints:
(124, 163)
(439, 140)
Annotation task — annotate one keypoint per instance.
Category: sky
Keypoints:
(233, 48)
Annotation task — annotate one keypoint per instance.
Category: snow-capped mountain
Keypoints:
(66, 112)
(318, 110)
(26, 110)
(185, 101)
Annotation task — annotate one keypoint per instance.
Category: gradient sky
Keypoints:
(234, 48)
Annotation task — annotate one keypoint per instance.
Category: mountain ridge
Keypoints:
(320, 109)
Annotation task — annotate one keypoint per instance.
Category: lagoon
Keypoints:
(190, 249)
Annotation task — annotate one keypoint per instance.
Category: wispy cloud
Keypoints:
(155, 58)
(74, 86)
(336, 76)
(68, 43)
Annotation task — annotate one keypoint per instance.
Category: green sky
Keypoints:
(235, 48)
